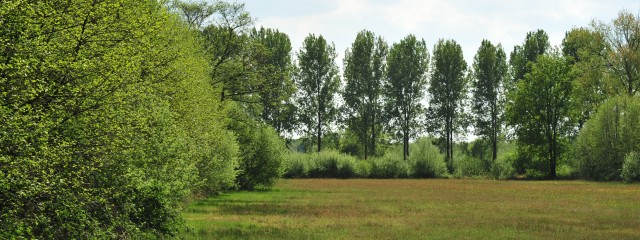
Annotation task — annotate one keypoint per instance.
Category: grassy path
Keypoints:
(422, 209)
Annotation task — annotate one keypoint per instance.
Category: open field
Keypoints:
(421, 209)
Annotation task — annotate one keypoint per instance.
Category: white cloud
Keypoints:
(467, 22)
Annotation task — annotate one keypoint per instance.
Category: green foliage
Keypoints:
(607, 138)
(107, 121)
(278, 87)
(535, 44)
(487, 87)
(631, 168)
(364, 69)
(447, 88)
(326, 164)
(585, 49)
(622, 40)
(539, 111)
(332, 164)
(426, 161)
(317, 80)
(296, 165)
(391, 165)
(261, 152)
(502, 168)
(468, 166)
(407, 65)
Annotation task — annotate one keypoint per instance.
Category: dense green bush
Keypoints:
(607, 138)
(631, 168)
(108, 125)
(391, 165)
(468, 166)
(296, 165)
(332, 164)
(502, 168)
(363, 169)
(261, 152)
(426, 161)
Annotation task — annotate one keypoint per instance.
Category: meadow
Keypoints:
(420, 209)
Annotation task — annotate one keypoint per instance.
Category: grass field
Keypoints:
(421, 209)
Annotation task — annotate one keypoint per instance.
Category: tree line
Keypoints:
(115, 114)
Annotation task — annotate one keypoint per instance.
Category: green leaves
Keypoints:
(98, 103)
(364, 69)
(487, 87)
(540, 109)
(408, 62)
(447, 89)
(317, 80)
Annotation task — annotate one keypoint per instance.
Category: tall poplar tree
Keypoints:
(364, 66)
(489, 71)
(447, 90)
(407, 63)
(317, 81)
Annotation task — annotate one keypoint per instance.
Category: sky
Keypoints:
(467, 22)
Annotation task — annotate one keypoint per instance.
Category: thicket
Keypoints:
(607, 138)
(108, 124)
(427, 162)
(631, 168)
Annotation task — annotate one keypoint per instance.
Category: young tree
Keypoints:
(317, 81)
(489, 71)
(447, 90)
(364, 67)
(407, 66)
(540, 109)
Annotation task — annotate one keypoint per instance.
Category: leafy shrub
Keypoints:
(503, 167)
(391, 165)
(261, 158)
(296, 165)
(607, 137)
(426, 160)
(468, 166)
(631, 168)
(347, 167)
(326, 164)
(94, 145)
(363, 169)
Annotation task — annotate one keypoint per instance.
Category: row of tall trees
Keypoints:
(541, 95)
